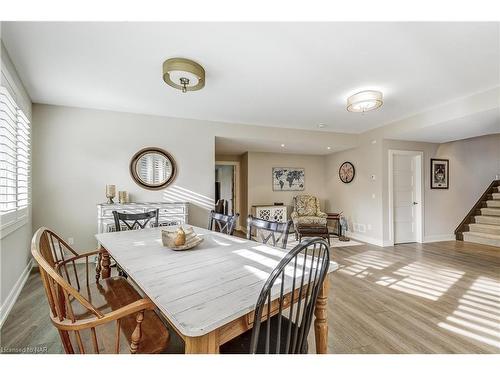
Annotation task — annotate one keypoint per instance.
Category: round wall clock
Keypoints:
(346, 172)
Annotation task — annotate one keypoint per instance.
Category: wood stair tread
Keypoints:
(490, 211)
(485, 219)
(485, 235)
(484, 225)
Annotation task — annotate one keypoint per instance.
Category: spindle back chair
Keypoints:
(282, 318)
(222, 223)
(272, 232)
(307, 263)
(73, 301)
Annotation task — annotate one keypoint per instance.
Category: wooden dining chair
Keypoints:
(287, 331)
(136, 220)
(222, 223)
(99, 315)
(272, 232)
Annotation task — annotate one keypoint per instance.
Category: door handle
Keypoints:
(414, 203)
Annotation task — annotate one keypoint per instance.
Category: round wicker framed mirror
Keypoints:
(153, 168)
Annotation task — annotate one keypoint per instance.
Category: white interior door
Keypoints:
(405, 198)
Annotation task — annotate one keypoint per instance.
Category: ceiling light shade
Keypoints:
(364, 101)
(183, 74)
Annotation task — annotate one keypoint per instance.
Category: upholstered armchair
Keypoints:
(306, 211)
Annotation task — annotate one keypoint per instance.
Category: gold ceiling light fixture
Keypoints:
(364, 101)
(183, 74)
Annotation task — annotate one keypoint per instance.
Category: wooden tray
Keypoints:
(189, 245)
(192, 239)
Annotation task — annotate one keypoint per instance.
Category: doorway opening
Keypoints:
(406, 204)
(227, 187)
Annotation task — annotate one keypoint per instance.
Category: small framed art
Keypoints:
(440, 174)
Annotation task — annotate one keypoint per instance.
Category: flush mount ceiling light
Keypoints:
(364, 101)
(183, 74)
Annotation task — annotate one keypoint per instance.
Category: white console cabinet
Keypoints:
(169, 213)
(271, 213)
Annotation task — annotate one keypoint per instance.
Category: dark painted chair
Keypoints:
(268, 232)
(132, 222)
(286, 333)
(221, 206)
(222, 223)
(136, 221)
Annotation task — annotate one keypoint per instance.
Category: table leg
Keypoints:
(321, 322)
(206, 344)
(106, 269)
(98, 268)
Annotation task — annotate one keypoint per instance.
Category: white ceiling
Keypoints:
(293, 75)
(474, 125)
(238, 146)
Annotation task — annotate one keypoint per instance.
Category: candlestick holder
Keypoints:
(123, 197)
(110, 193)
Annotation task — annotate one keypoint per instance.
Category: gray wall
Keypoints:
(260, 189)
(474, 163)
(76, 152)
(360, 200)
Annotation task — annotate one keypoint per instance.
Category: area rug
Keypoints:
(334, 242)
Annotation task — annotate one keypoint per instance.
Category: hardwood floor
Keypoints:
(441, 297)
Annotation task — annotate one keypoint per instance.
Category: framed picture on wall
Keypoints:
(288, 179)
(440, 174)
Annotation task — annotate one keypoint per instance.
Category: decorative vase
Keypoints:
(180, 239)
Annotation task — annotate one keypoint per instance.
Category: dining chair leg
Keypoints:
(321, 322)
(136, 335)
(68, 348)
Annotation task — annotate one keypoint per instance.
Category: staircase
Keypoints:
(482, 223)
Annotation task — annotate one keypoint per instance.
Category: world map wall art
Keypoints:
(288, 179)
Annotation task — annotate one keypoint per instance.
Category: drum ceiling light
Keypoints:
(364, 101)
(183, 74)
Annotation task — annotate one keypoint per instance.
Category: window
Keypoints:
(14, 160)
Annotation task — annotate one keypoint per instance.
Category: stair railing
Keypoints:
(463, 226)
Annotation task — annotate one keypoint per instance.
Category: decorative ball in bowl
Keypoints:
(180, 238)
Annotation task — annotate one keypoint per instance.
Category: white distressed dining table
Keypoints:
(207, 294)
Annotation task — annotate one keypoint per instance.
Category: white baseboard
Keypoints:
(14, 293)
(363, 238)
(439, 237)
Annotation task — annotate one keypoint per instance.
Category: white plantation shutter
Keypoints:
(14, 156)
(153, 169)
(23, 160)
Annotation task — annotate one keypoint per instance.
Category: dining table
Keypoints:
(206, 294)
